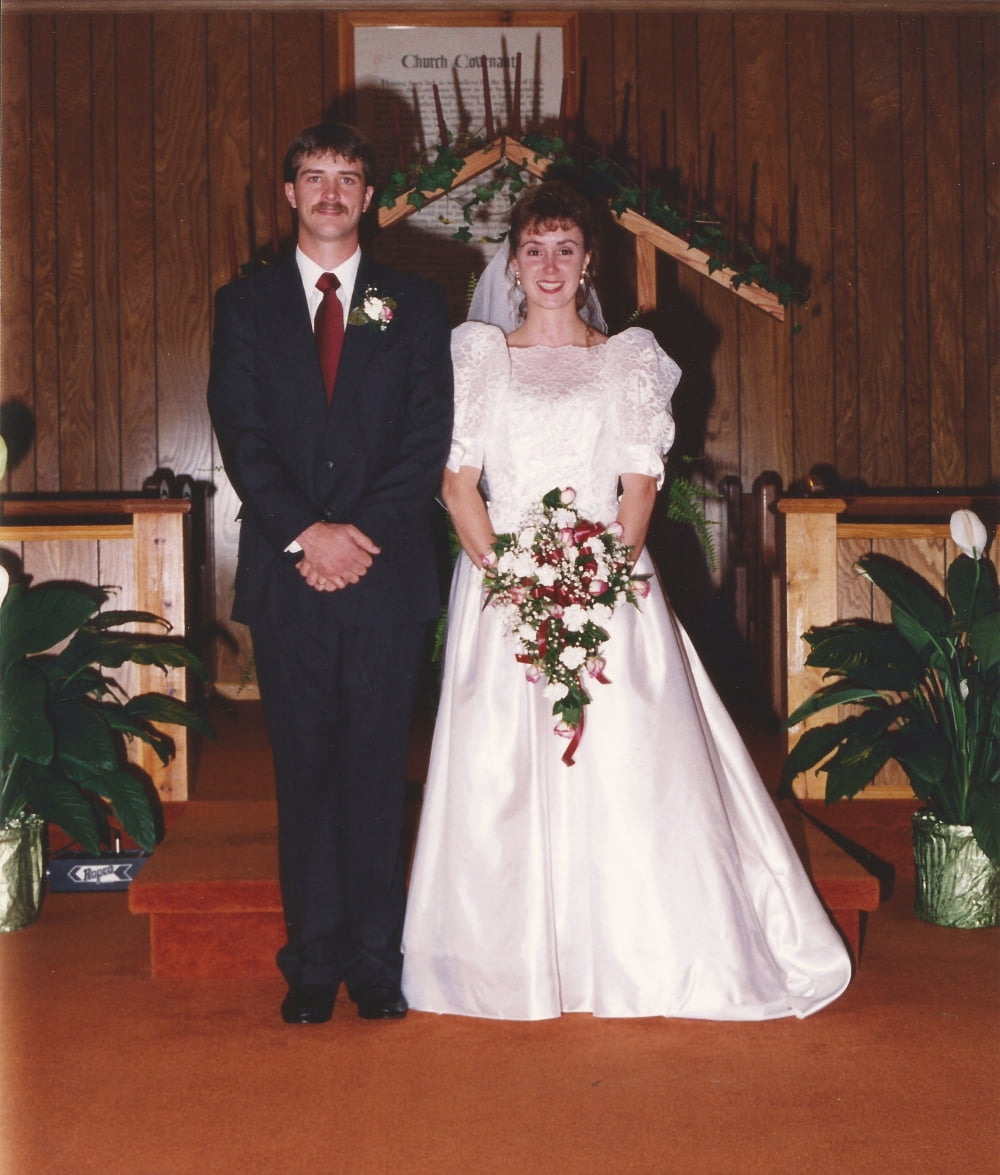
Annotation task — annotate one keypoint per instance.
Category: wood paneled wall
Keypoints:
(132, 141)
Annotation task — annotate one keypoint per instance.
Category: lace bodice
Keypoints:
(538, 417)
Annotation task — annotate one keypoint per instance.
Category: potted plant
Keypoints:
(926, 688)
(65, 724)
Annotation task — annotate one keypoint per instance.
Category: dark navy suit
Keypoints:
(336, 669)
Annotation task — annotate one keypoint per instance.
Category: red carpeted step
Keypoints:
(211, 889)
(211, 892)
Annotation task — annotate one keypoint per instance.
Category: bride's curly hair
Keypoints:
(555, 204)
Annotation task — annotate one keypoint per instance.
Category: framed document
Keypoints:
(410, 78)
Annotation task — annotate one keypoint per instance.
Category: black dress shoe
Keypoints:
(308, 1003)
(380, 1001)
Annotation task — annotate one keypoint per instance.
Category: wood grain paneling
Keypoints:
(133, 140)
(44, 459)
(136, 257)
(813, 433)
(16, 364)
(945, 251)
(75, 257)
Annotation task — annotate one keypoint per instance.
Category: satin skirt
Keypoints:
(654, 877)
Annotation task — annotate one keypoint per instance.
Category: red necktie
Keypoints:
(329, 330)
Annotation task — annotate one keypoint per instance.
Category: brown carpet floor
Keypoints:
(106, 1070)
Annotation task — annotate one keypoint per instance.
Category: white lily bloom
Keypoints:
(968, 533)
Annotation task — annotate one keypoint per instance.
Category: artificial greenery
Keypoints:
(438, 168)
(928, 688)
(62, 754)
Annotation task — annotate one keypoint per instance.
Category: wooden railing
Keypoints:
(824, 537)
(138, 548)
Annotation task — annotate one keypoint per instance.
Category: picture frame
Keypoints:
(413, 80)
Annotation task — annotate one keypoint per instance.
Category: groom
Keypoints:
(331, 399)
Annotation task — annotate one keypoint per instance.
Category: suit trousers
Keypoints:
(338, 703)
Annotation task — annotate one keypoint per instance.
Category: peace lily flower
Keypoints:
(968, 533)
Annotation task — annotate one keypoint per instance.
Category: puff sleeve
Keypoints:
(646, 382)
(482, 368)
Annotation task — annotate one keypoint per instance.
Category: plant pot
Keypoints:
(21, 867)
(957, 884)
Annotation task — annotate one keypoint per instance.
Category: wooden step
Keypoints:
(212, 897)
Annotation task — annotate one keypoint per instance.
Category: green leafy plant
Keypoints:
(927, 686)
(65, 723)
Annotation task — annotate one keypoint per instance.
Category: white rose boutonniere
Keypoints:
(377, 310)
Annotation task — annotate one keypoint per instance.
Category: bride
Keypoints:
(653, 877)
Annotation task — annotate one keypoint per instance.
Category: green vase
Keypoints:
(957, 884)
(21, 867)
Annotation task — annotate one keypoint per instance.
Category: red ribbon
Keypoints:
(570, 751)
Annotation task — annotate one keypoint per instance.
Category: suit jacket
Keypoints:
(373, 458)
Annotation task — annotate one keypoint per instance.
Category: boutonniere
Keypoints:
(377, 310)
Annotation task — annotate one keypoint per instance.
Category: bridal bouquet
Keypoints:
(558, 579)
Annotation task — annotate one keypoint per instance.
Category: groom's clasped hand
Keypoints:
(336, 554)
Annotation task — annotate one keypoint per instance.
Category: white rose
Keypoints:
(523, 565)
(573, 656)
(561, 518)
(374, 307)
(526, 538)
(601, 614)
(575, 617)
(547, 574)
(555, 691)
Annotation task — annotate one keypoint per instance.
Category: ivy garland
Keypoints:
(600, 178)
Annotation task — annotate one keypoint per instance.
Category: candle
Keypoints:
(442, 129)
(401, 155)
(487, 102)
(774, 237)
(516, 127)
(234, 264)
(642, 180)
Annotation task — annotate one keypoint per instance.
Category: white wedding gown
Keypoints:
(654, 877)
